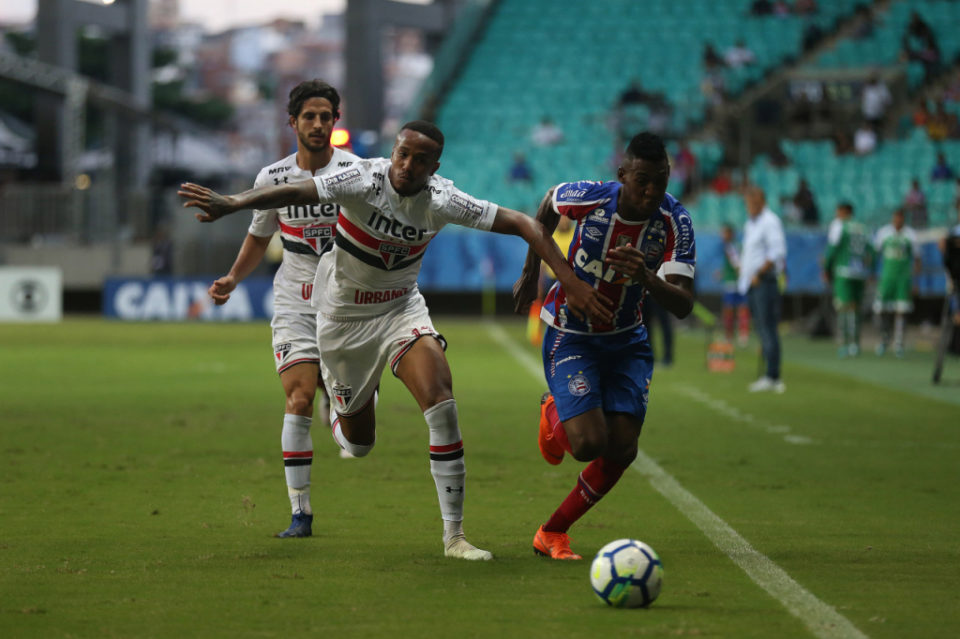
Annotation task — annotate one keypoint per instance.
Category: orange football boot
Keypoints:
(550, 449)
(553, 545)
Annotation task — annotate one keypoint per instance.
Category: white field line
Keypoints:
(821, 619)
(735, 414)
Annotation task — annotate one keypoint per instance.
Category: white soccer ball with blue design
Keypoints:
(626, 573)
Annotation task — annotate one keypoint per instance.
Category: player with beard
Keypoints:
(306, 232)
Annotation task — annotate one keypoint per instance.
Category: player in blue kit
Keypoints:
(599, 372)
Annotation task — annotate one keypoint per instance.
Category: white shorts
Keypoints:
(353, 353)
(294, 339)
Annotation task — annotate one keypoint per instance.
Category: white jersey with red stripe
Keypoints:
(665, 239)
(305, 231)
(381, 237)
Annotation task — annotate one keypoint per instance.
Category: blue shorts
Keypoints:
(609, 371)
(733, 298)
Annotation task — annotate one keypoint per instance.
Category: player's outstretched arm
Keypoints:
(582, 299)
(525, 289)
(213, 205)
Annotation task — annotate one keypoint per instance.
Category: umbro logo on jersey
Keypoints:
(281, 351)
(594, 233)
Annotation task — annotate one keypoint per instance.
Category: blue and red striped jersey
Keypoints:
(665, 239)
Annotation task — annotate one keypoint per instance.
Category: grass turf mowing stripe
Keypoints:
(820, 618)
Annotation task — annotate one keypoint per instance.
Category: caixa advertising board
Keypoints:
(173, 299)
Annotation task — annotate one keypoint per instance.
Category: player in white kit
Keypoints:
(370, 311)
(306, 232)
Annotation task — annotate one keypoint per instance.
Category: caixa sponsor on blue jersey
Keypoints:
(175, 299)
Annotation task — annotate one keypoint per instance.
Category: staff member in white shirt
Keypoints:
(763, 258)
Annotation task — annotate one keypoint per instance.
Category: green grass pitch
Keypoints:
(141, 483)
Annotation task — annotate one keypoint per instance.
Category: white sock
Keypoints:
(451, 529)
(446, 459)
(898, 330)
(297, 460)
(357, 450)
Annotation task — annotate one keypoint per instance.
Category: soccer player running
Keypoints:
(370, 311)
(847, 265)
(896, 244)
(306, 233)
(599, 370)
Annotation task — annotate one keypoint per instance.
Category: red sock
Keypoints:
(744, 321)
(727, 314)
(559, 434)
(594, 482)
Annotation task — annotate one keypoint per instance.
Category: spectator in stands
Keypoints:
(711, 59)
(865, 139)
(806, 204)
(520, 171)
(875, 99)
(722, 183)
(915, 206)
(842, 142)
(761, 8)
(806, 7)
(920, 45)
(940, 124)
(812, 34)
(633, 94)
(683, 167)
(546, 133)
(921, 115)
(739, 55)
(863, 22)
(941, 170)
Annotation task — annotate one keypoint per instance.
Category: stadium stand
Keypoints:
(538, 58)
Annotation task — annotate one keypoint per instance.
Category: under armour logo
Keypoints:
(277, 181)
(451, 489)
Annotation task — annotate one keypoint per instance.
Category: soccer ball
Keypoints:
(626, 573)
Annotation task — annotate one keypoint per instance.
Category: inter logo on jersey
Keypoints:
(282, 351)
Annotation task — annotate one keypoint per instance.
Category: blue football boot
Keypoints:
(301, 525)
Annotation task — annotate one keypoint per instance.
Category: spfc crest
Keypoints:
(318, 237)
(342, 393)
(281, 351)
(393, 253)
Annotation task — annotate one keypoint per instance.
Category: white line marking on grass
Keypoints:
(820, 618)
(732, 412)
